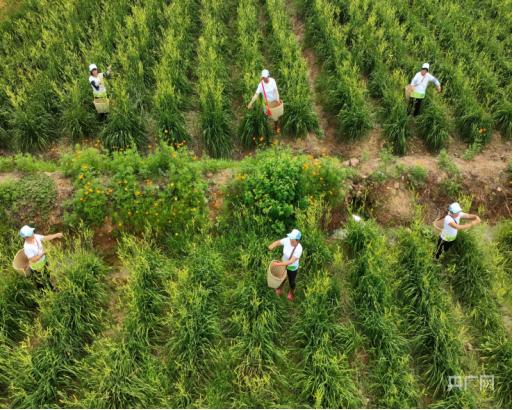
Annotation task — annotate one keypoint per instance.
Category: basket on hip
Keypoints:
(276, 275)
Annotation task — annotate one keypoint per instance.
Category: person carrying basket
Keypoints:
(269, 91)
(417, 88)
(36, 255)
(452, 226)
(292, 251)
(99, 91)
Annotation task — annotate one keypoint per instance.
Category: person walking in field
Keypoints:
(292, 251)
(36, 254)
(452, 226)
(269, 91)
(98, 85)
(418, 88)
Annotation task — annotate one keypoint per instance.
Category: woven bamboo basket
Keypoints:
(407, 93)
(19, 263)
(439, 223)
(276, 112)
(276, 275)
(101, 105)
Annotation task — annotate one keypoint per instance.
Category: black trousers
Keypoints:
(42, 278)
(442, 246)
(292, 278)
(414, 105)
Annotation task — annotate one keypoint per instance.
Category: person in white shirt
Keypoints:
(452, 226)
(292, 251)
(269, 91)
(98, 85)
(418, 88)
(36, 254)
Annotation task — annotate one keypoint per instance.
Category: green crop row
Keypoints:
(371, 277)
(70, 318)
(213, 85)
(343, 89)
(173, 90)
(325, 378)
(254, 128)
(291, 72)
(433, 327)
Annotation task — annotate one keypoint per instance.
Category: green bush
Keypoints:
(417, 175)
(24, 200)
(278, 181)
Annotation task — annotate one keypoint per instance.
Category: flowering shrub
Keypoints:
(164, 190)
(279, 181)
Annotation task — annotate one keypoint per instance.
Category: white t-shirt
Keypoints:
(269, 90)
(35, 248)
(421, 84)
(287, 250)
(449, 233)
(100, 84)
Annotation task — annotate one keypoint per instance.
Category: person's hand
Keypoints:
(58, 235)
(249, 106)
(478, 220)
(108, 68)
(439, 89)
(275, 264)
(281, 102)
(271, 247)
(410, 88)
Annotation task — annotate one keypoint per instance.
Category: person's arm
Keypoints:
(436, 82)
(36, 258)
(274, 245)
(96, 85)
(277, 95)
(475, 221)
(51, 237)
(289, 262)
(413, 83)
(253, 100)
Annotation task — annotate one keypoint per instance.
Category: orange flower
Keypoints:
(407, 182)
(81, 199)
(129, 213)
(149, 146)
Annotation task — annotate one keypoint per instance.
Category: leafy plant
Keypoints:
(417, 175)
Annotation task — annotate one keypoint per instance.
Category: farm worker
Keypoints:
(35, 253)
(292, 251)
(418, 88)
(269, 92)
(452, 226)
(98, 85)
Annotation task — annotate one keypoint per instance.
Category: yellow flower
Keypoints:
(84, 166)
(97, 191)
(120, 224)
(176, 234)
(80, 177)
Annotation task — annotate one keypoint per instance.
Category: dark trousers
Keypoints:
(414, 105)
(292, 278)
(42, 278)
(442, 246)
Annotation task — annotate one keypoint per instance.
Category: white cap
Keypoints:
(26, 231)
(92, 67)
(265, 73)
(295, 234)
(426, 66)
(455, 208)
